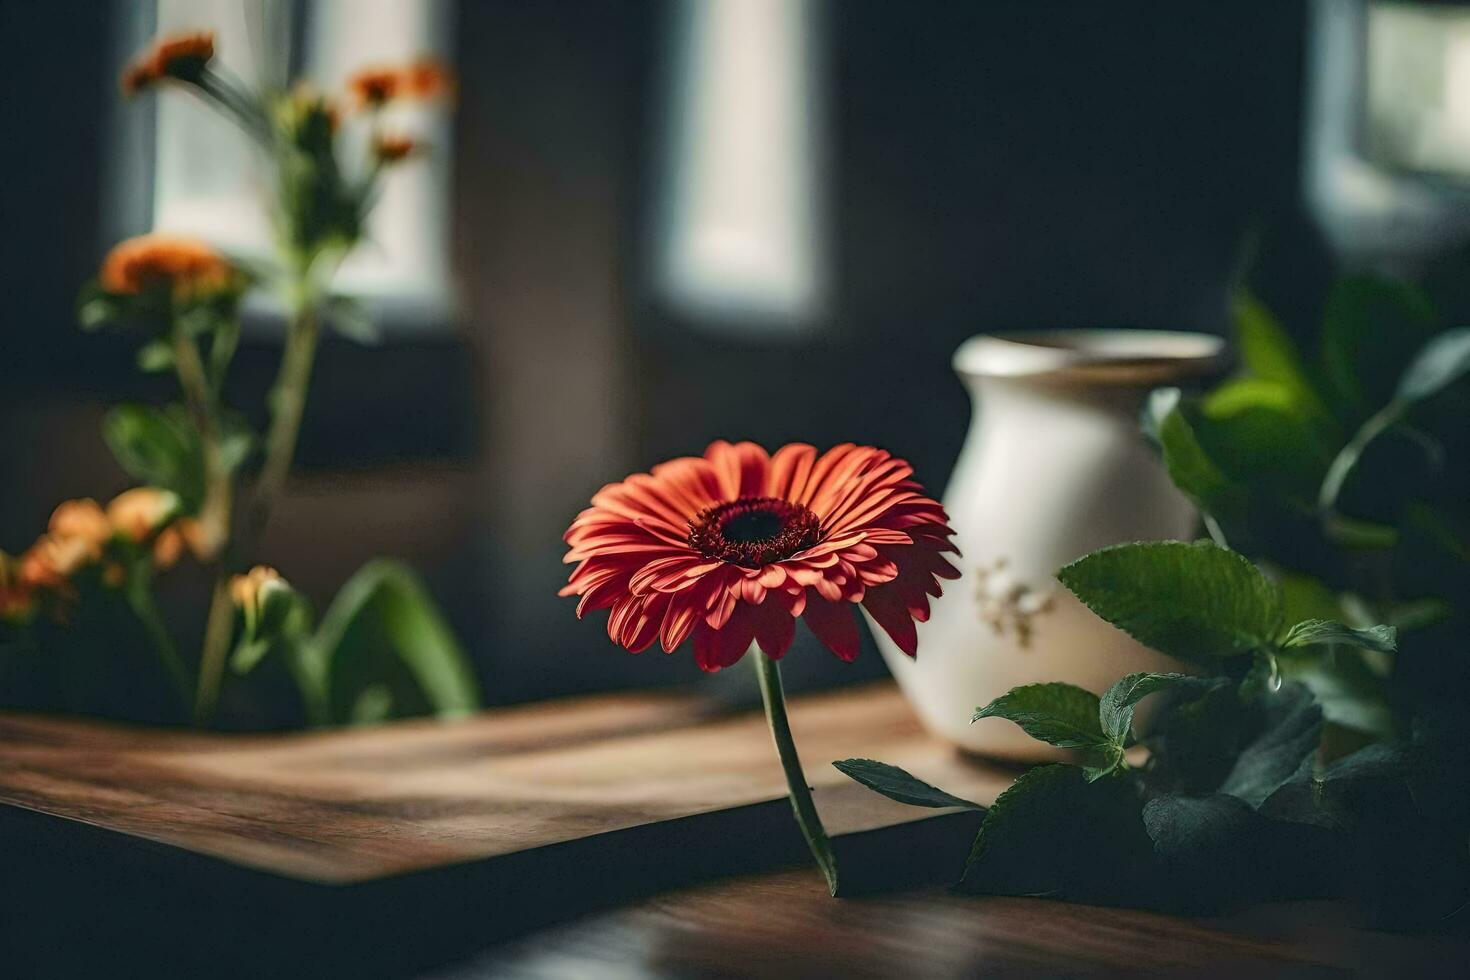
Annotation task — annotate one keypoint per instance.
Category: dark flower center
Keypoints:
(754, 531)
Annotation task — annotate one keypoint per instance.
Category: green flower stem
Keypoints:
(218, 629)
(214, 519)
(1337, 473)
(232, 97)
(214, 511)
(140, 600)
(288, 403)
(769, 672)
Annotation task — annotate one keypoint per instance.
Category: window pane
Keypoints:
(741, 212)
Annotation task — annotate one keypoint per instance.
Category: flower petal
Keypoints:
(890, 612)
(774, 629)
(834, 624)
(716, 649)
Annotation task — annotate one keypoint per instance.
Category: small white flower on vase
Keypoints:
(1008, 605)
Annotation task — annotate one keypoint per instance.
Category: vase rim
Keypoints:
(1125, 357)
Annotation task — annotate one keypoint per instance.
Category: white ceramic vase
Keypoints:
(1054, 466)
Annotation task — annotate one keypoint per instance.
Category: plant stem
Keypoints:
(217, 631)
(214, 511)
(769, 672)
(214, 519)
(288, 403)
(140, 599)
(1337, 473)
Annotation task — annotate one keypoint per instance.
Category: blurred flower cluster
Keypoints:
(211, 481)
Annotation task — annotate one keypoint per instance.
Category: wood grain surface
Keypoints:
(353, 806)
(782, 925)
(627, 836)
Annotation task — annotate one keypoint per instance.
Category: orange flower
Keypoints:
(375, 87)
(168, 547)
(138, 76)
(181, 56)
(53, 560)
(393, 148)
(187, 266)
(184, 533)
(249, 590)
(733, 546)
(139, 512)
(17, 599)
(76, 536)
(428, 79)
(82, 519)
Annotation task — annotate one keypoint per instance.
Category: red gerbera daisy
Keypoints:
(733, 546)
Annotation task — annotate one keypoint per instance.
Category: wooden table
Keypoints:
(634, 835)
(783, 925)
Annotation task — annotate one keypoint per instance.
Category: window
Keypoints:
(1386, 125)
(740, 235)
(207, 178)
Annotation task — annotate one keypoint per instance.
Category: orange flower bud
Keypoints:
(17, 600)
(114, 575)
(428, 79)
(374, 87)
(184, 56)
(181, 56)
(393, 148)
(188, 267)
(81, 519)
(139, 512)
(248, 590)
(203, 545)
(138, 76)
(167, 548)
(52, 560)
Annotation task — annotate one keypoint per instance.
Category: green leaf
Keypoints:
(96, 308)
(1054, 834)
(155, 356)
(280, 621)
(1060, 714)
(349, 318)
(1351, 691)
(1290, 733)
(1192, 601)
(1216, 851)
(1189, 466)
(1105, 761)
(157, 446)
(248, 654)
(1305, 597)
(373, 706)
(1116, 707)
(896, 784)
(1266, 349)
(1439, 363)
(1309, 632)
(384, 628)
(1327, 799)
(1262, 432)
(1372, 327)
(1354, 534)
